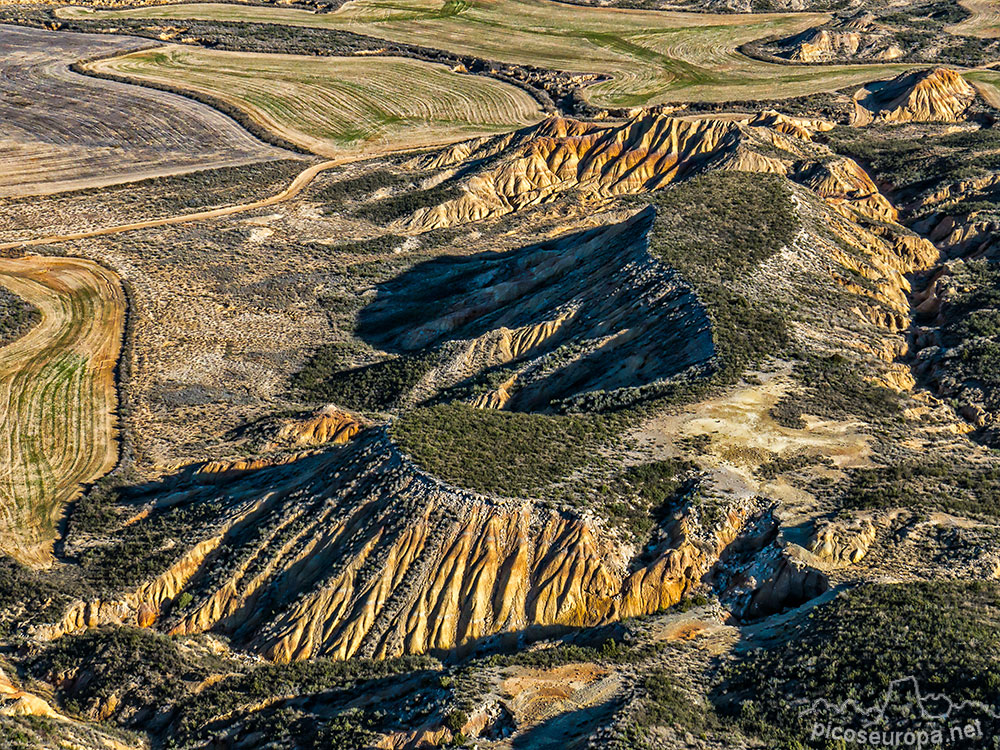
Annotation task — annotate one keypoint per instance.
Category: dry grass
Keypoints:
(63, 131)
(57, 396)
(984, 21)
(338, 105)
(650, 56)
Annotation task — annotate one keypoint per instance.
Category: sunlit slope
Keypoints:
(57, 395)
(648, 56)
(335, 105)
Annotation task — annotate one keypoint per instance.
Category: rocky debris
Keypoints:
(17, 702)
(842, 542)
(931, 95)
(329, 425)
(763, 573)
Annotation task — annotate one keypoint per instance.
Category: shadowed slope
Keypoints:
(630, 320)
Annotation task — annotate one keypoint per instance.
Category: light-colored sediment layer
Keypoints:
(357, 553)
(934, 95)
(57, 396)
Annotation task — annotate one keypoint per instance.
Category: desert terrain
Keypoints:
(506, 374)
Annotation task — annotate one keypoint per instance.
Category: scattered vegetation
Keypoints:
(356, 188)
(831, 387)
(395, 207)
(850, 649)
(139, 551)
(17, 317)
(665, 704)
(128, 672)
(375, 387)
(919, 156)
(641, 496)
(972, 326)
(30, 596)
(338, 680)
(714, 230)
(506, 453)
(931, 483)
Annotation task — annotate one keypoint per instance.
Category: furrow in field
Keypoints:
(649, 56)
(57, 396)
(338, 105)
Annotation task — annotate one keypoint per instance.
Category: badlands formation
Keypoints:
(624, 429)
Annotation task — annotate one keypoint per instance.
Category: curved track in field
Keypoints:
(294, 188)
(64, 131)
(57, 396)
(984, 21)
(338, 105)
(650, 56)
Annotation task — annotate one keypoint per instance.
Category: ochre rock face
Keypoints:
(358, 553)
(937, 95)
(329, 425)
(843, 543)
(850, 41)
(646, 152)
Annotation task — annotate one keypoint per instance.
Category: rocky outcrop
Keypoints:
(800, 127)
(329, 425)
(646, 152)
(355, 552)
(46, 728)
(935, 95)
(854, 39)
(843, 542)
(17, 702)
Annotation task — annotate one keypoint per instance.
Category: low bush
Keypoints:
(831, 387)
(942, 635)
(929, 484)
(17, 317)
(375, 387)
(506, 453)
(714, 230)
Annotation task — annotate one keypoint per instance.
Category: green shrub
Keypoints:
(715, 229)
(664, 704)
(375, 387)
(930, 483)
(831, 387)
(507, 453)
(395, 207)
(17, 317)
(942, 633)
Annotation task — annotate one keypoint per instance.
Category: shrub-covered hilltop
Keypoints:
(909, 658)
